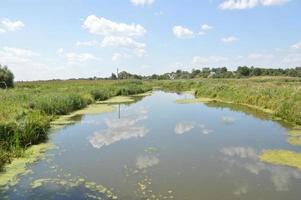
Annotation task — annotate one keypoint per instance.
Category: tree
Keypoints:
(243, 71)
(6, 77)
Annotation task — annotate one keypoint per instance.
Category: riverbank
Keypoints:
(27, 111)
(280, 97)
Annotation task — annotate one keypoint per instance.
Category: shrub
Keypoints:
(6, 77)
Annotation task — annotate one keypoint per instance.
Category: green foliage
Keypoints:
(6, 77)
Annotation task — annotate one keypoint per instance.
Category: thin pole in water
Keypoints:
(118, 111)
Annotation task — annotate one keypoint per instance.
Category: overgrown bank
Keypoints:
(280, 96)
(27, 110)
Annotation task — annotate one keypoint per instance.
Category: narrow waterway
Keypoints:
(159, 149)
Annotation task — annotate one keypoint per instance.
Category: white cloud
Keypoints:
(75, 58)
(142, 2)
(125, 42)
(8, 25)
(182, 32)
(118, 35)
(260, 56)
(79, 57)
(274, 2)
(103, 26)
(292, 59)
(206, 27)
(297, 45)
(12, 55)
(87, 43)
(247, 4)
(229, 39)
(119, 56)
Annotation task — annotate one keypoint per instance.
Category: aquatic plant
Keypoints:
(282, 157)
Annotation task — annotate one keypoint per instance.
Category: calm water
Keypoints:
(159, 149)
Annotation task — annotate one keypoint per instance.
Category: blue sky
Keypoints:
(83, 38)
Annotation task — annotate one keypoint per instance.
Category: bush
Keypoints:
(100, 94)
(6, 77)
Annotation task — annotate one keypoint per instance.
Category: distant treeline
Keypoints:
(221, 72)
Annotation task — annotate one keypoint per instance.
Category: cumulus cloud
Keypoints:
(142, 2)
(118, 35)
(76, 58)
(247, 4)
(7, 25)
(297, 45)
(119, 56)
(124, 42)
(9, 55)
(103, 26)
(230, 39)
(206, 27)
(182, 32)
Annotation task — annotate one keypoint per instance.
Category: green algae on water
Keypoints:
(143, 94)
(91, 109)
(117, 100)
(193, 100)
(71, 183)
(19, 165)
(296, 141)
(282, 157)
(295, 132)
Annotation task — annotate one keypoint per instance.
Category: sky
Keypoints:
(53, 39)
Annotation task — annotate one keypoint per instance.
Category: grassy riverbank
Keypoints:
(27, 110)
(279, 96)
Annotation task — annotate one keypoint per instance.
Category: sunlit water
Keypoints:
(159, 149)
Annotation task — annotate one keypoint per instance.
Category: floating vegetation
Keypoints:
(19, 166)
(143, 94)
(71, 183)
(295, 132)
(282, 157)
(296, 141)
(151, 150)
(193, 100)
(71, 118)
(117, 100)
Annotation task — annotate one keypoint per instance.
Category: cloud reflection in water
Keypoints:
(121, 129)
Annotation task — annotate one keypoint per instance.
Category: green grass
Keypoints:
(27, 110)
(280, 96)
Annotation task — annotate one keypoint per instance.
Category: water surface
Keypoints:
(158, 149)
